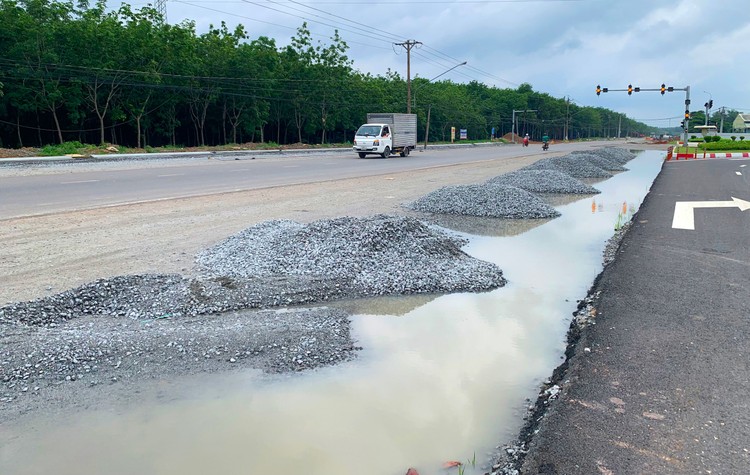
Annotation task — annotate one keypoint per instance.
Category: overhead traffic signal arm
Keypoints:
(631, 89)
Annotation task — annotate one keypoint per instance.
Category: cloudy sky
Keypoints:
(561, 47)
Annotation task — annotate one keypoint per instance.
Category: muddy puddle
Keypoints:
(439, 378)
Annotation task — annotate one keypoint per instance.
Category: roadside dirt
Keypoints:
(48, 254)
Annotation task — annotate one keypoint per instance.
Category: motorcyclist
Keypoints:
(526, 140)
(545, 140)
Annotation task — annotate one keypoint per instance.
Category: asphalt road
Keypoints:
(73, 189)
(660, 383)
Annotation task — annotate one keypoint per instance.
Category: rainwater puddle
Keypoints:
(439, 378)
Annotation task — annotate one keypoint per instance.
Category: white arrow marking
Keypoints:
(684, 217)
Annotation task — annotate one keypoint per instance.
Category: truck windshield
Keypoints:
(369, 130)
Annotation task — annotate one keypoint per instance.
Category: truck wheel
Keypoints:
(362, 154)
(407, 151)
(402, 153)
(386, 153)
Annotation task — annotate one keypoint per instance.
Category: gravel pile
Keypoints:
(575, 166)
(376, 255)
(278, 263)
(485, 200)
(600, 161)
(544, 181)
(617, 155)
(133, 296)
(89, 351)
(143, 326)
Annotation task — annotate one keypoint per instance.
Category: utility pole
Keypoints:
(567, 117)
(619, 125)
(721, 129)
(408, 45)
(514, 130)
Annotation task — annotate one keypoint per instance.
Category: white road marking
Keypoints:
(291, 166)
(739, 173)
(171, 174)
(77, 182)
(684, 216)
(743, 166)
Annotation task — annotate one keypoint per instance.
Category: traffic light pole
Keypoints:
(630, 90)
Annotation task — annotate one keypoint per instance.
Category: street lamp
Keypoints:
(414, 92)
(429, 108)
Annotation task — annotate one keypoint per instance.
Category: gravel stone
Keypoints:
(600, 161)
(369, 256)
(111, 348)
(485, 200)
(544, 181)
(575, 166)
(615, 154)
(132, 327)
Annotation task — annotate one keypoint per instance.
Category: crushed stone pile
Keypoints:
(485, 200)
(132, 296)
(601, 161)
(279, 263)
(368, 256)
(544, 181)
(615, 154)
(575, 166)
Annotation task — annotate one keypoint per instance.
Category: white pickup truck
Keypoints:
(384, 134)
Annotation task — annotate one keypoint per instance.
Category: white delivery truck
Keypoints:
(384, 134)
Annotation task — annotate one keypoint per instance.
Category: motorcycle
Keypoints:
(545, 146)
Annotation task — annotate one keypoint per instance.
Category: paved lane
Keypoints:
(660, 384)
(39, 193)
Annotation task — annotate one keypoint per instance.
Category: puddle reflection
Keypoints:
(445, 380)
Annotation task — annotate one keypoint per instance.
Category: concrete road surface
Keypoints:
(76, 186)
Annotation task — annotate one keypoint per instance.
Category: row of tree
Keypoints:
(83, 72)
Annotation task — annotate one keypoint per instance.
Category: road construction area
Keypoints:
(110, 273)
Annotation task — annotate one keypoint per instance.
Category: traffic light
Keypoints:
(598, 90)
(682, 124)
(687, 114)
(663, 89)
(630, 89)
(710, 104)
(637, 89)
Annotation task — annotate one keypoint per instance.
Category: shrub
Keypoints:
(733, 137)
(64, 148)
(726, 146)
(742, 137)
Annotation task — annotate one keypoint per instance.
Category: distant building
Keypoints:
(741, 123)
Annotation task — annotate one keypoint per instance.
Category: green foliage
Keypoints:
(725, 146)
(75, 70)
(65, 148)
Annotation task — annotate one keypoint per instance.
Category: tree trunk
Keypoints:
(57, 124)
(18, 129)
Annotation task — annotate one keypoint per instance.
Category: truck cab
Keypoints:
(373, 139)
